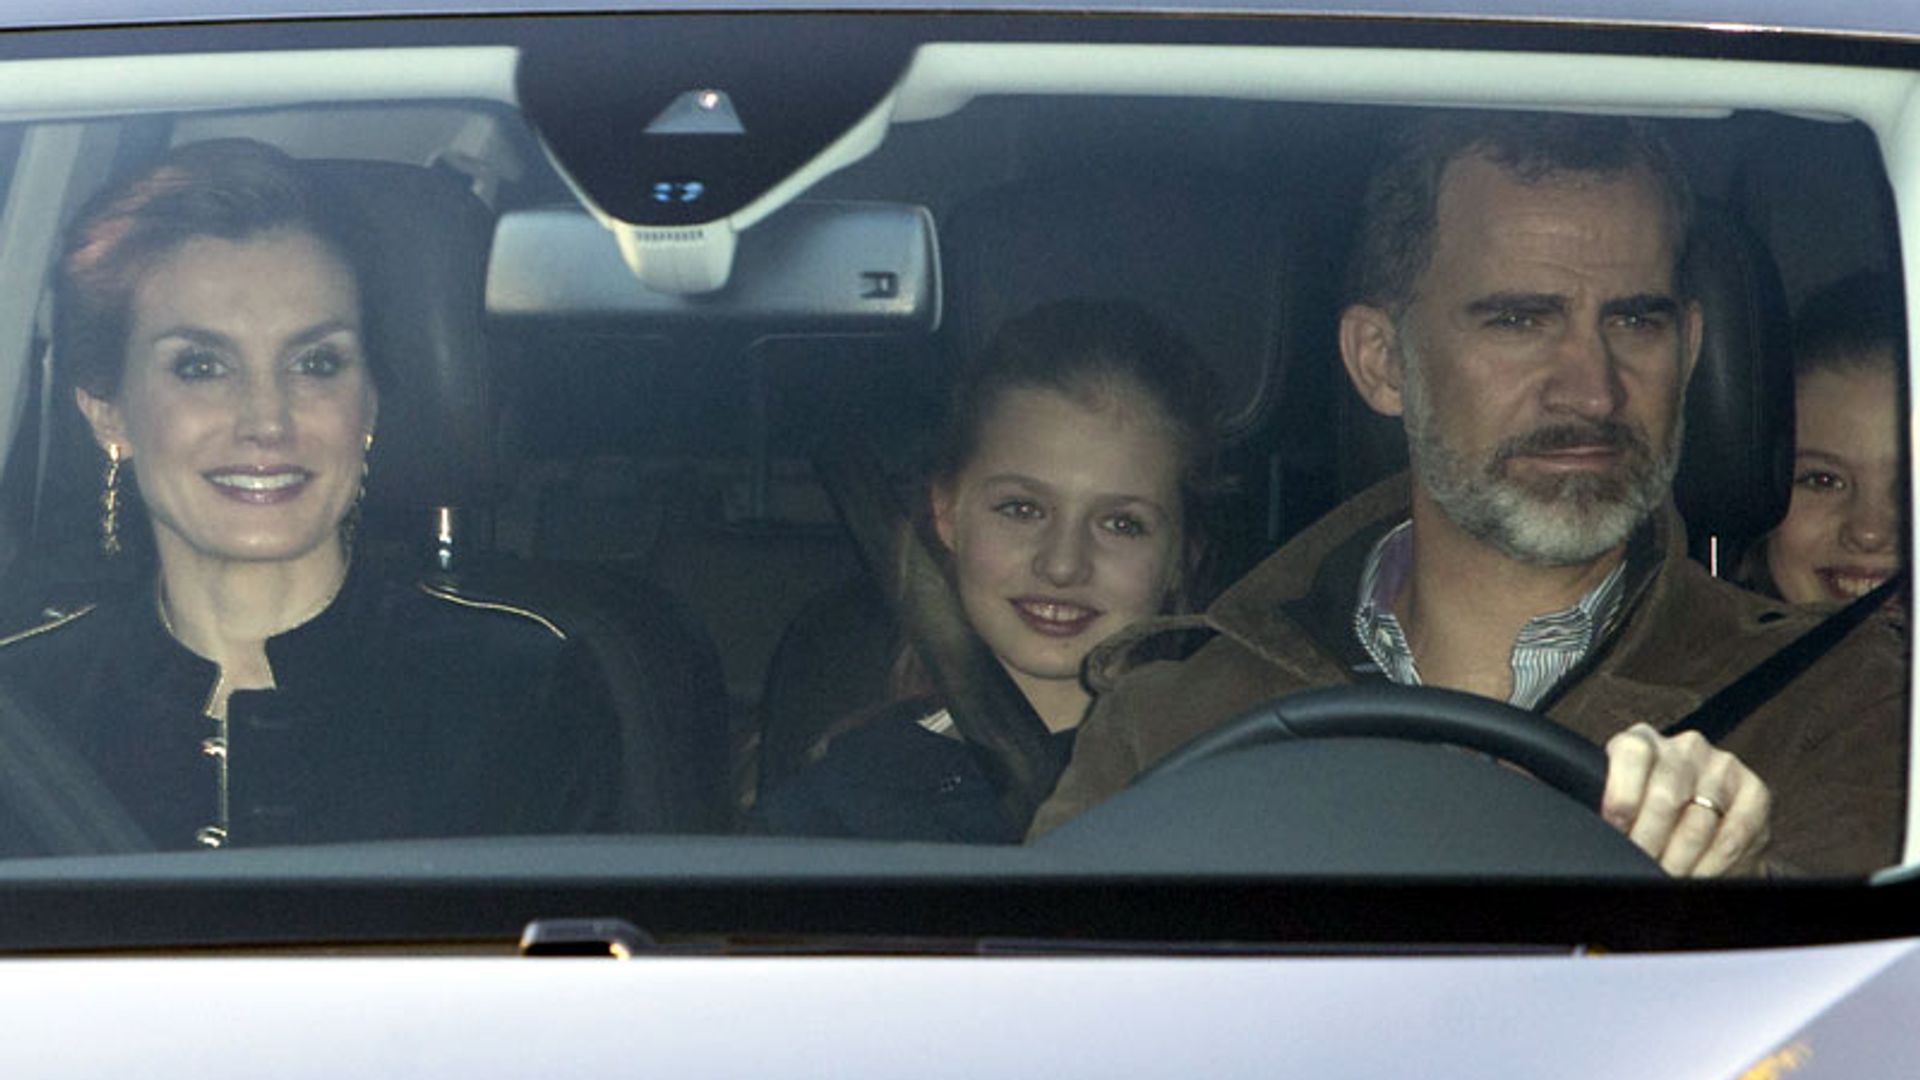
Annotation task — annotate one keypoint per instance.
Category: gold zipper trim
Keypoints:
(36, 631)
(451, 597)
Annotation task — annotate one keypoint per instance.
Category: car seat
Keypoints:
(434, 481)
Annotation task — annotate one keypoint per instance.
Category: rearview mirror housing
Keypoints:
(815, 266)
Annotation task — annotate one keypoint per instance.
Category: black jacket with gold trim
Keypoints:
(403, 710)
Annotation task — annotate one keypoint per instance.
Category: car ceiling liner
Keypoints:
(681, 131)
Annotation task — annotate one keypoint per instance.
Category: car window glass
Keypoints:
(632, 485)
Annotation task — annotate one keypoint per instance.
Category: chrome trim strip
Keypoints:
(36, 631)
(441, 592)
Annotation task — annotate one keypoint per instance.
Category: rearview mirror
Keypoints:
(814, 266)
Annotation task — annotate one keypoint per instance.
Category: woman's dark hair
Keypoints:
(1090, 350)
(226, 188)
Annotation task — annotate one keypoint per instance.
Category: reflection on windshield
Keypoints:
(1259, 398)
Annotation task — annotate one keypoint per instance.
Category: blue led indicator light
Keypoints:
(678, 191)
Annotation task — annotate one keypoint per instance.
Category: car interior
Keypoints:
(640, 463)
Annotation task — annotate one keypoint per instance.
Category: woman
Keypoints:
(259, 686)
(1842, 534)
(1077, 449)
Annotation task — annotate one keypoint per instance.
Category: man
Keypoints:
(1517, 306)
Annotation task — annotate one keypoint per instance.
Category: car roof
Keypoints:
(1876, 18)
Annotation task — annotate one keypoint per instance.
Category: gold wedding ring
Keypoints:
(1706, 803)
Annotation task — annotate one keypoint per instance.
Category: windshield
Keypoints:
(1252, 450)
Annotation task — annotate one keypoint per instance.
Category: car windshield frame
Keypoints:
(78, 93)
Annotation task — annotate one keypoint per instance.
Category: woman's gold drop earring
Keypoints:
(350, 524)
(110, 504)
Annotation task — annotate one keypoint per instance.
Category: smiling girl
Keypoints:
(1076, 448)
(1842, 534)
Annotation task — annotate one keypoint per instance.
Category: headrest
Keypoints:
(423, 256)
(1204, 253)
(1736, 467)
(1734, 479)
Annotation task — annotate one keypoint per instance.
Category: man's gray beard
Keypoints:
(1556, 521)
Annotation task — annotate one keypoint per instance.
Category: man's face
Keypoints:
(1543, 360)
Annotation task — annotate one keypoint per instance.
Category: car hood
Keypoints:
(1812, 1012)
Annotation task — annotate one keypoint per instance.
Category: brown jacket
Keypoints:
(1831, 745)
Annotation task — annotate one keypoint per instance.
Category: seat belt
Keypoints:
(57, 795)
(43, 447)
(1023, 759)
(1720, 714)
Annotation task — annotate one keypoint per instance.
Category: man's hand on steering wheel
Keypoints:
(1696, 808)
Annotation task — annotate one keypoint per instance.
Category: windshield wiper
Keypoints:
(619, 939)
(615, 938)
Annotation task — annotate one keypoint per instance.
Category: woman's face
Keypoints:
(1065, 526)
(1842, 532)
(245, 404)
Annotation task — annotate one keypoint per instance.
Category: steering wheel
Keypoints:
(1554, 755)
(1365, 780)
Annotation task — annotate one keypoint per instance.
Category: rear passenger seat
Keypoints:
(685, 527)
(437, 440)
(710, 497)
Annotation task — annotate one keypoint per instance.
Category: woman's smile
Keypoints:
(260, 485)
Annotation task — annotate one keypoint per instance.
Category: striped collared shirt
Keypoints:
(1547, 647)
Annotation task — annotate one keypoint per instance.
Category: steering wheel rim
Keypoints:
(1552, 754)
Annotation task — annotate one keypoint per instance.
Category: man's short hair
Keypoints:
(1395, 243)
